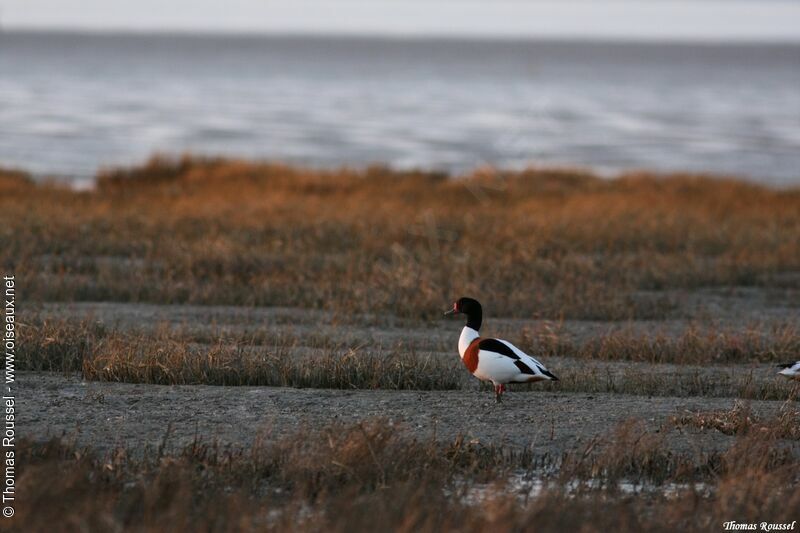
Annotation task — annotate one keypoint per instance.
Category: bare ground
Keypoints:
(108, 415)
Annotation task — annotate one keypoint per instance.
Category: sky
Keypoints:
(759, 20)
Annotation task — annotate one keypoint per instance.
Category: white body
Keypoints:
(792, 372)
(498, 368)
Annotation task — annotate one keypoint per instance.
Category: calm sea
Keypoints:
(72, 103)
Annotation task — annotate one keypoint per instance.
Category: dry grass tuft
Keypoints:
(629, 452)
(740, 420)
(164, 357)
(56, 345)
(693, 345)
(165, 361)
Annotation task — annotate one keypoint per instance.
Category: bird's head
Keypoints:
(471, 308)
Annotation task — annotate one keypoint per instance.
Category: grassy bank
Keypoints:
(345, 478)
(539, 243)
(702, 363)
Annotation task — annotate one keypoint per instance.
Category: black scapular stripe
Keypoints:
(786, 365)
(525, 369)
(494, 345)
(548, 374)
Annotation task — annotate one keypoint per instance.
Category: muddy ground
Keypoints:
(107, 415)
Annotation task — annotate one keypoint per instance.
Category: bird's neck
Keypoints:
(474, 319)
(467, 336)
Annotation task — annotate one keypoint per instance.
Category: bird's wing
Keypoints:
(499, 347)
(504, 356)
(522, 355)
(524, 362)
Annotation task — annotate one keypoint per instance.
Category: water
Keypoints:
(525, 486)
(71, 103)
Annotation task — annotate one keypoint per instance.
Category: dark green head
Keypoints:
(470, 307)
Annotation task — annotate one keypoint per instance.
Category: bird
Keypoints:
(790, 370)
(491, 359)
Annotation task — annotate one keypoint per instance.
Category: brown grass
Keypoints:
(538, 243)
(740, 420)
(161, 361)
(169, 355)
(351, 478)
(13, 181)
(694, 344)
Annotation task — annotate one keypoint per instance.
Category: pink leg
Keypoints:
(498, 393)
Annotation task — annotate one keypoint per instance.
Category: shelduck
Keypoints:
(490, 359)
(790, 370)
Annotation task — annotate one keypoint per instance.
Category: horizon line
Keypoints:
(396, 35)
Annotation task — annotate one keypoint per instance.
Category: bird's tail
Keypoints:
(550, 375)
